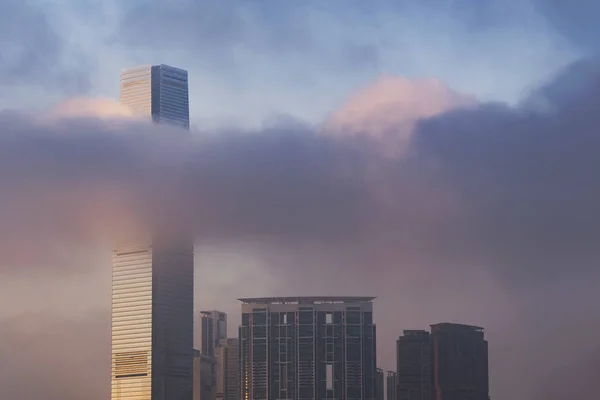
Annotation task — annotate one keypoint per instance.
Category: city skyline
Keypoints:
(438, 155)
(160, 92)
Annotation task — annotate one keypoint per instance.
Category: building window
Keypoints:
(329, 376)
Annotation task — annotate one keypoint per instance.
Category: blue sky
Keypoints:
(251, 59)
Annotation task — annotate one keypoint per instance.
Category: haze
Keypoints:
(441, 156)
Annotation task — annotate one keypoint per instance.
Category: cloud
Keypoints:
(488, 217)
(234, 49)
(227, 28)
(389, 109)
(88, 107)
(471, 45)
(34, 52)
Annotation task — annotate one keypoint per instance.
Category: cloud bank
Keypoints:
(489, 215)
(389, 109)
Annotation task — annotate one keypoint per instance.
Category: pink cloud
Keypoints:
(389, 108)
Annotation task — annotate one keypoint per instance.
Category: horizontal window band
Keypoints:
(130, 375)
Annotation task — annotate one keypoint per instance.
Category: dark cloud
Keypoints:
(33, 51)
(74, 179)
(490, 217)
(528, 180)
(567, 86)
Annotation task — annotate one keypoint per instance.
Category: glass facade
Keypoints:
(136, 90)
(414, 365)
(460, 362)
(392, 386)
(157, 91)
(379, 385)
(212, 331)
(231, 383)
(308, 348)
(153, 282)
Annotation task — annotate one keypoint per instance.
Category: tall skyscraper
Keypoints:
(212, 331)
(153, 281)
(304, 348)
(460, 362)
(157, 91)
(379, 384)
(228, 371)
(391, 386)
(413, 350)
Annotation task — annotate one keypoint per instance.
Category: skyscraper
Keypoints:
(379, 384)
(228, 371)
(157, 91)
(413, 350)
(153, 280)
(460, 362)
(308, 348)
(391, 386)
(212, 331)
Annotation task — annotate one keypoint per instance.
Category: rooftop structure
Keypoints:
(307, 300)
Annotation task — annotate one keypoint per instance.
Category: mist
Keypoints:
(488, 215)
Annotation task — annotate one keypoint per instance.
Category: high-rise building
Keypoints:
(460, 362)
(205, 377)
(304, 348)
(212, 331)
(196, 385)
(379, 384)
(391, 385)
(153, 281)
(228, 370)
(157, 91)
(413, 350)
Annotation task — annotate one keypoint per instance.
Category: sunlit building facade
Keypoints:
(157, 91)
(152, 314)
(308, 348)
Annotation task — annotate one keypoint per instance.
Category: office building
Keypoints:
(205, 377)
(157, 91)
(196, 371)
(153, 280)
(379, 384)
(212, 331)
(228, 370)
(413, 356)
(391, 383)
(304, 348)
(460, 362)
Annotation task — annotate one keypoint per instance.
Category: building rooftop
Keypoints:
(453, 326)
(148, 66)
(414, 332)
(307, 300)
